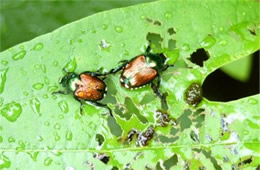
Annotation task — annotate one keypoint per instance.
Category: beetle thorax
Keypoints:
(74, 83)
(150, 62)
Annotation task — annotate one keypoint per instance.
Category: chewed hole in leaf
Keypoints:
(102, 157)
(184, 120)
(155, 40)
(171, 31)
(157, 23)
(114, 127)
(100, 139)
(199, 56)
(171, 44)
(219, 86)
(131, 108)
(172, 161)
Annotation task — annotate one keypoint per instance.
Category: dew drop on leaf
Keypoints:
(38, 47)
(223, 42)
(20, 55)
(168, 15)
(35, 105)
(252, 101)
(47, 161)
(119, 29)
(208, 42)
(55, 63)
(11, 111)
(11, 139)
(57, 126)
(104, 26)
(1, 139)
(56, 136)
(71, 65)
(68, 135)
(4, 62)
(4, 162)
(2, 79)
(186, 47)
(38, 86)
(63, 105)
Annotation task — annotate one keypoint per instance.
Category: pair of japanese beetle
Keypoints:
(137, 72)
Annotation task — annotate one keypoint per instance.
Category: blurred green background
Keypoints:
(24, 20)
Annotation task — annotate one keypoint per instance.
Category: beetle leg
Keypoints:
(167, 66)
(115, 70)
(60, 92)
(102, 105)
(158, 93)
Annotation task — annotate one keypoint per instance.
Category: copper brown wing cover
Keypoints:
(138, 73)
(90, 88)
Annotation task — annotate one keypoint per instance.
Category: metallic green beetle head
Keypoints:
(68, 79)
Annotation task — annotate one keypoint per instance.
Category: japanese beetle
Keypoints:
(85, 87)
(142, 70)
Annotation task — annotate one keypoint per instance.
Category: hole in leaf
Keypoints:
(171, 31)
(199, 56)
(165, 139)
(100, 139)
(114, 127)
(171, 162)
(158, 166)
(147, 99)
(155, 40)
(194, 136)
(132, 109)
(252, 31)
(171, 44)
(149, 20)
(102, 157)
(219, 86)
(157, 23)
(184, 120)
(122, 112)
(208, 155)
(245, 161)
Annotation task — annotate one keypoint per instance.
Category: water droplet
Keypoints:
(45, 96)
(104, 26)
(186, 47)
(63, 105)
(2, 79)
(93, 31)
(123, 44)
(35, 105)
(142, 17)
(245, 132)
(46, 80)
(80, 40)
(222, 42)
(47, 123)
(33, 155)
(61, 116)
(208, 42)
(83, 31)
(4, 162)
(119, 29)
(38, 47)
(126, 53)
(11, 111)
(221, 29)
(25, 93)
(68, 135)
(47, 161)
(168, 15)
(11, 139)
(52, 88)
(4, 62)
(103, 44)
(252, 101)
(1, 139)
(38, 86)
(71, 65)
(20, 55)
(57, 126)
(21, 146)
(40, 138)
(57, 137)
(1, 103)
(55, 63)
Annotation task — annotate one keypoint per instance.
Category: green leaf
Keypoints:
(40, 130)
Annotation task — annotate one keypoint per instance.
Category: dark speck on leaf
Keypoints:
(193, 94)
(131, 135)
(144, 137)
(102, 157)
